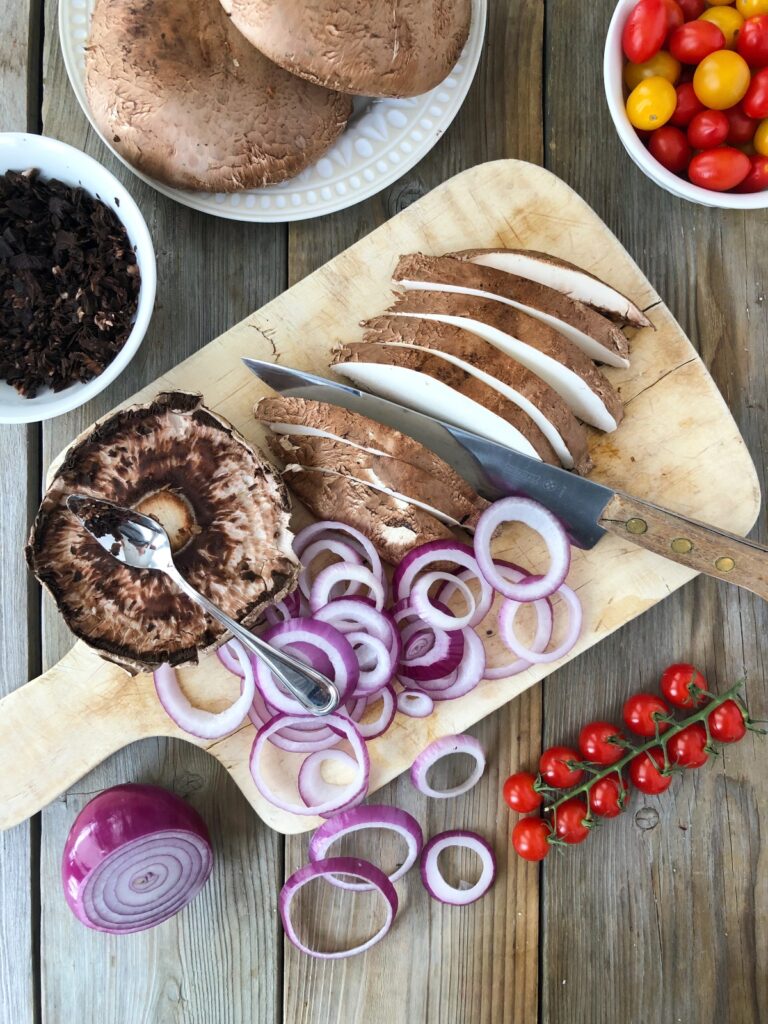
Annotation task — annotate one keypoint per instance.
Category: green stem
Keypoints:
(698, 716)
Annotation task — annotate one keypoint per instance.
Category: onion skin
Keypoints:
(109, 822)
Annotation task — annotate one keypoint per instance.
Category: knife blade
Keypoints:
(492, 469)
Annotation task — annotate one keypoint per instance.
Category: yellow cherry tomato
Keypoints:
(721, 80)
(662, 64)
(760, 141)
(719, 3)
(651, 103)
(751, 8)
(728, 20)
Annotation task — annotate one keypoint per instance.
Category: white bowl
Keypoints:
(54, 159)
(613, 68)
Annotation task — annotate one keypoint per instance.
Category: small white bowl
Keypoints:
(19, 152)
(613, 68)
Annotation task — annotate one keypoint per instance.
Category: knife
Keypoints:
(587, 509)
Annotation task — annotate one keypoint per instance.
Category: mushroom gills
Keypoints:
(564, 277)
(432, 397)
(594, 334)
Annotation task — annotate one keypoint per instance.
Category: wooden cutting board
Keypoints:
(678, 446)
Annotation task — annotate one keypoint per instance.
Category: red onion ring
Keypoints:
(380, 724)
(345, 727)
(330, 868)
(352, 613)
(313, 789)
(508, 612)
(432, 615)
(207, 725)
(543, 627)
(435, 752)
(549, 528)
(340, 572)
(483, 603)
(438, 551)
(346, 552)
(309, 533)
(433, 880)
(281, 611)
(372, 679)
(431, 661)
(461, 681)
(347, 822)
(415, 704)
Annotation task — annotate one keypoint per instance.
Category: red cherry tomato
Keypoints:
(645, 770)
(726, 722)
(519, 792)
(553, 765)
(606, 798)
(686, 748)
(742, 128)
(645, 30)
(688, 104)
(719, 169)
(755, 103)
(530, 838)
(752, 41)
(708, 129)
(675, 16)
(641, 712)
(596, 738)
(691, 9)
(757, 179)
(670, 147)
(680, 683)
(695, 40)
(569, 820)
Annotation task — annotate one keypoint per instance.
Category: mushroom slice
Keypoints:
(183, 97)
(371, 49)
(226, 511)
(593, 333)
(538, 347)
(300, 417)
(564, 277)
(496, 369)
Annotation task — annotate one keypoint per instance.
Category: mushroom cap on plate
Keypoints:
(223, 505)
(186, 99)
(355, 46)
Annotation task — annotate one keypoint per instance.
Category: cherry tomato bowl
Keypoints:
(616, 94)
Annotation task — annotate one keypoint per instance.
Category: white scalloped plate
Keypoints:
(384, 139)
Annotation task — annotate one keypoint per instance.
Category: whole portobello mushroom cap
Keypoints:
(223, 505)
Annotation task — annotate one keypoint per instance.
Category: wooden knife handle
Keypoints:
(702, 548)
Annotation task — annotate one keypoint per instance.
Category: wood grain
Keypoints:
(662, 915)
(19, 653)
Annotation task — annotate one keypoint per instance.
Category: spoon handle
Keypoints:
(311, 688)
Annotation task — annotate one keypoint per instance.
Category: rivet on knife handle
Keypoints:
(702, 548)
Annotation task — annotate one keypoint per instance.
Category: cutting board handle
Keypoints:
(702, 548)
(59, 726)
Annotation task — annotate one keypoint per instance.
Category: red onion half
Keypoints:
(330, 868)
(135, 856)
(436, 885)
(435, 752)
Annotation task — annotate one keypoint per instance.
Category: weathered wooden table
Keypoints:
(662, 916)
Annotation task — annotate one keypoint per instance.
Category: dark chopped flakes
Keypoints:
(69, 284)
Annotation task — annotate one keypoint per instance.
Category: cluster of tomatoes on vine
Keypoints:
(576, 788)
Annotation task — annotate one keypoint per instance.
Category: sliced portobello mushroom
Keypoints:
(540, 348)
(186, 99)
(594, 334)
(564, 277)
(225, 508)
(371, 49)
(299, 417)
(496, 369)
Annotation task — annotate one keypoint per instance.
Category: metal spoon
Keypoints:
(141, 542)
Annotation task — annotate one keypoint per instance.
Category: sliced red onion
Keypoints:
(415, 704)
(435, 752)
(371, 816)
(346, 728)
(310, 533)
(348, 614)
(322, 546)
(483, 603)
(431, 614)
(461, 681)
(543, 634)
(549, 528)
(380, 724)
(433, 880)
(281, 611)
(418, 559)
(135, 856)
(327, 641)
(342, 572)
(307, 736)
(314, 790)
(508, 612)
(382, 669)
(428, 658)
(329, 869)
(208, 725)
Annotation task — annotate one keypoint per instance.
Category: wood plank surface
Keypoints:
(662, 916)
(19, 630)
